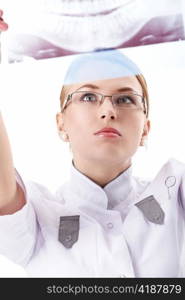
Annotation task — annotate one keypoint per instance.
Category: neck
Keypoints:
(101, 173)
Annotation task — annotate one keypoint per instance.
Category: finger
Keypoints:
(3, 25)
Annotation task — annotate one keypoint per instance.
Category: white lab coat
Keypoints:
(88, 231)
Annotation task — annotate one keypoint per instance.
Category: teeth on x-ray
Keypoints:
(88, 32)
(86, 25)
(82, 6)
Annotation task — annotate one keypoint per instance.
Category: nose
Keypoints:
(106, 109)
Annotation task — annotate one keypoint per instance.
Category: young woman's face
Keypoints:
(81, 122)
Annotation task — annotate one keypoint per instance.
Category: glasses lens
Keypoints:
(129, 101)
(86, 97)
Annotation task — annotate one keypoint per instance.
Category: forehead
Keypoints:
(108, 85)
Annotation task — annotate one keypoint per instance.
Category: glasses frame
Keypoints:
(69, 97)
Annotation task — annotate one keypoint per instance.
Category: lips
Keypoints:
(108, 131)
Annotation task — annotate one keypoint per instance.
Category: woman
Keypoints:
(103, 222)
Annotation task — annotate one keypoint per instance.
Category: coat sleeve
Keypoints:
(18, 231)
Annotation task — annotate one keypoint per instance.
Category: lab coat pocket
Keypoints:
(69, 230)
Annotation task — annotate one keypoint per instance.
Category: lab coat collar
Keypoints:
(88, 193)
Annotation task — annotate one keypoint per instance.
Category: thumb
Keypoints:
(3, 24)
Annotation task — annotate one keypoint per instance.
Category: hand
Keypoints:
(3, 25)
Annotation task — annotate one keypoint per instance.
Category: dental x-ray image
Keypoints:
(41, 29)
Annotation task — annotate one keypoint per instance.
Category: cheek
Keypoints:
(134, 129)
(78, 123)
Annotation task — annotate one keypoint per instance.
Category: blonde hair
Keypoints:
(139, 77)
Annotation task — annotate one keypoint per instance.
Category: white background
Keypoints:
(29, 97)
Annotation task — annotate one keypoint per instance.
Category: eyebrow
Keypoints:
(92, 86)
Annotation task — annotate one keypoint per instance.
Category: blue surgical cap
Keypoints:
(99, 65)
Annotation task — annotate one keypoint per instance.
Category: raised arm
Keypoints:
(11, 195)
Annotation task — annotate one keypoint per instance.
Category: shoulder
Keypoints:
(171, 167)
(175, 165)
(172, 172)
(35, 191)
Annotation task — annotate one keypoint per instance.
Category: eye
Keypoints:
(88, 97)
(124, 99)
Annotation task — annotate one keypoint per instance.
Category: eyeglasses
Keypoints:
(125, 100)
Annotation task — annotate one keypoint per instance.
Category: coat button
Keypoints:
(68, 238)
(110, 225)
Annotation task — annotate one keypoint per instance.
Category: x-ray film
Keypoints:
(41, 29)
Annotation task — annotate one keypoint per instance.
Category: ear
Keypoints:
(60, 121)
(60, 125)
(145, 133)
